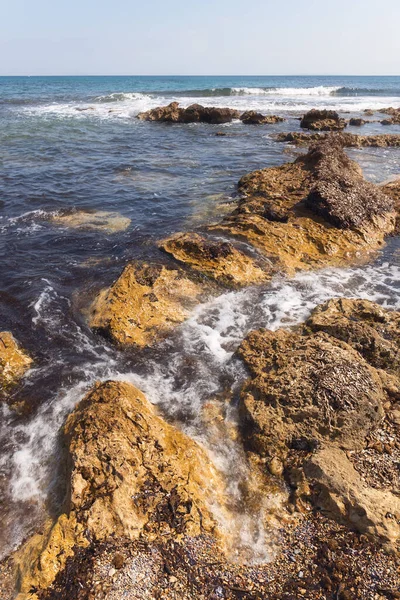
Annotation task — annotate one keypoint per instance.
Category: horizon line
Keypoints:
(202, 75)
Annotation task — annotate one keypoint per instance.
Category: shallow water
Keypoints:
(164, 179)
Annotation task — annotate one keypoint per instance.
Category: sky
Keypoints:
(220, 37)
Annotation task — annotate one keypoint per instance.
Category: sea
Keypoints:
(73, 143)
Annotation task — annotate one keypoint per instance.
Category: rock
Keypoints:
(341, 492)
(14, 362)
(294, 233)
(357, 122)
(348, 140)
(394, 114)
(216, 259)
(102, 220)
(195, 113)
(340, 194)
(143, 304)
(368, 112)
(304, 390)
(322, 120)
(370, 329)
(251, 117)
(131, 475)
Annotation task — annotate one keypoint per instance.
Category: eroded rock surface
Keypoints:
(348, 140)
(322, 401)
(131, 476)
(143, 304)
(14, 362)
(394, 114)
(322, 120)
(217, 259)
(252, 117)
(195, 113)
(313, 212)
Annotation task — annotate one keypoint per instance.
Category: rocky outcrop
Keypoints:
(299, 216)
(322, 120)
(357, 122)
(252, 117)
(217, 259)
(394, 114)
(348, 140)
(14, 362)
(131, 476)
(143, 304)
(195, 113)
(101, 220)
(340, 491)
(319, 400)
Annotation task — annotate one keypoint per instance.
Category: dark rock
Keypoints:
(322, 120)
(195, 113)
(357, 122)
(251, 117)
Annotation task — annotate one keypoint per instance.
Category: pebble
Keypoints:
(111, 572)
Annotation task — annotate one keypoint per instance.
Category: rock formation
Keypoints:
(319, 400)
(217, 259)
(195, 113)
(348, 140)
(357, 122)
(322, 120)
(14, 362)
(251, 117)
(143, 304)
(131, 476)
(394, 114)
(102, 220)
(299, 216)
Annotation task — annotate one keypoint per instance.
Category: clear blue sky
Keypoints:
(223, 37)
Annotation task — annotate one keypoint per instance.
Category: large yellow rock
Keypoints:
(144, 303)
(131, 475)
(219, 260)
(13, 360)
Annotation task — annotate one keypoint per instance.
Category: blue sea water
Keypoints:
(73, 143)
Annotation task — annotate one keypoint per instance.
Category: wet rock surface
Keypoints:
(322, 120)
(131, 475)
(348, 140)
(14, 362)
(102, 220)
(251, 117)
(217, 259)
(394, 114)
(313, 212)
(323, 399)
(143, 304)
(195, 113)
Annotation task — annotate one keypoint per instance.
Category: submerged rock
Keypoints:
(251, 117)
(102, 220)
(143, 304)
(314, 212)
(316, 401)
(348, 140)
(131, 476)
(217, 259)
(322, 120)
(195, 113)
(14, 362)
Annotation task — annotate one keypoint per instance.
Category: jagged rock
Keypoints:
(394, 114)
(322, 120)
(14, 362)
(370, 329)
(348, 140)
(101, 220)
(252, 117)
(195, 113)
(341, 492)
(357, 122)
(216, 259)
(304, 390)
(340, 194)
(131, 475)
(369, 112)
(295, 233)
(143, 304)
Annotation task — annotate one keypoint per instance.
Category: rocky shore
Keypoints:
(146, 511)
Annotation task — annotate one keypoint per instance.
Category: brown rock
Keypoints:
(295, 234)
(322, 120)
(357, 122)
(143, 304)
(341, 492)
(219, 260)
(251, 117)
(305, 390)
(131, 475)
(348, 140)
(14, 362)
(394, 114)
(195, 113)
